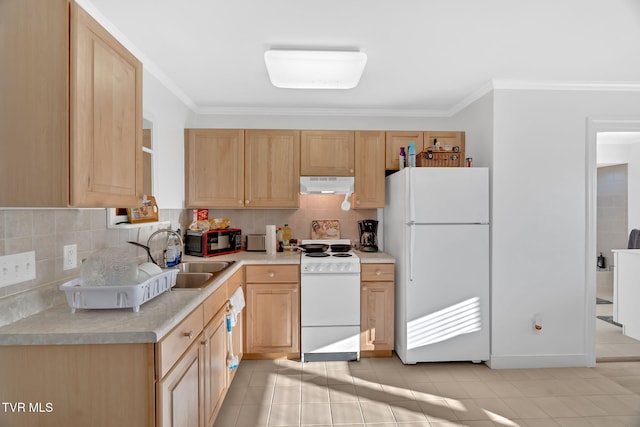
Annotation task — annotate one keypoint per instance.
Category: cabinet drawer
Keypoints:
(215, 302)
(377, 272)
(171, 347)
(272, 274)
(235, 281)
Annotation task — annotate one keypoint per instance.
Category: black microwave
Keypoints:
(213, 242)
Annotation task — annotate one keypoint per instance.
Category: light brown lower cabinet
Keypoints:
(181, 381)
(179, 397)
(215, 366)
(105, 385)
(377, 310)
(192, 392)
(273, 311)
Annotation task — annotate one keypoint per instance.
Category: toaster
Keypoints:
(255, 243)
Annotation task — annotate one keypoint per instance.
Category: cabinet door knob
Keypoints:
(378, 272)
(205, 343)
(246, 201)
(239, 202)
(350, 170)
(272, 274)
(188, 334)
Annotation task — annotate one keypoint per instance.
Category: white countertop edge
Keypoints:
(155, 319)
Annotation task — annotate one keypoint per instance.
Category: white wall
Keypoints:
(321, 122)
(613, 154)
(476, 120)
(539, 230)
(170, 117)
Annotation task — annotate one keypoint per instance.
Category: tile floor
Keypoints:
(386, 393)
(611, 345)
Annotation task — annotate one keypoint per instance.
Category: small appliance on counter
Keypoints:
(368, 235)
(213, 242)
(255, 243)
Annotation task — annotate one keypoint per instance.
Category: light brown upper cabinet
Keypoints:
(70, 110)
(214, 168)
(369, 169)
(327, 153)
(272, 168)
(397, 139)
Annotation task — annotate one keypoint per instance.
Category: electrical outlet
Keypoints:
(70, 257)
(17, 268)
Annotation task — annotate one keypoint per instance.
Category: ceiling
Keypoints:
(425, 57)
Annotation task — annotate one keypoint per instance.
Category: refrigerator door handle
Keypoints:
(412, 204)
(412, 244)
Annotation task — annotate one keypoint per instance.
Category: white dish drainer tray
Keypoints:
(117, 296)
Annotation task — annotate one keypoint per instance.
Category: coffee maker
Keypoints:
(368, 238)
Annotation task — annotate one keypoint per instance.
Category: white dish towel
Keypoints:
(237, 304)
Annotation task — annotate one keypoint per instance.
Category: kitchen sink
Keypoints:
(198, 275)
(204, 267)
(192, 280)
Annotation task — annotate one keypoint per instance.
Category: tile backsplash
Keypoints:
(47, 231)
(312, 206)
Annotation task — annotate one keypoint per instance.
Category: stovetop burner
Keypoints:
(342, 255)
(317, 254)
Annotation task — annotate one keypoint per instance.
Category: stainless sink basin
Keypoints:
(198, 275)
(204, 267)
(192, 280)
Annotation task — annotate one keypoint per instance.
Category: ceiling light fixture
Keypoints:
(314, 69)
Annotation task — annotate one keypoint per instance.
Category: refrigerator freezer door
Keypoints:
(447, 303)
(448, 195)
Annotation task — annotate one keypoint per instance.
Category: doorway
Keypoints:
(612, 146)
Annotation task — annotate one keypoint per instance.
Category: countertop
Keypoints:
(155, 319)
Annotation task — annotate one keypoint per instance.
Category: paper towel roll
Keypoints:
(270, 239)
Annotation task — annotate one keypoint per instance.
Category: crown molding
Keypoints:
(318, 112)
(508, 84)
(471, 98)
(148, 65)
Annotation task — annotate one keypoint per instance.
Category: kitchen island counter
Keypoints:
(155, 319)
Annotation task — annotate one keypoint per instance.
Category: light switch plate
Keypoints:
(17, 268)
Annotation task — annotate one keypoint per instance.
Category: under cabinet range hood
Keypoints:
(326, 184)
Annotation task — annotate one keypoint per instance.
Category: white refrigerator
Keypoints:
(436, 226)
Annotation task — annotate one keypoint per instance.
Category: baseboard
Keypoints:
(614, 359)
(528, 361)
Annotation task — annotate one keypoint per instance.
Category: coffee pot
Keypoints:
(368, 238)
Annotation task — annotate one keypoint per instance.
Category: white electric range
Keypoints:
(329, 303)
